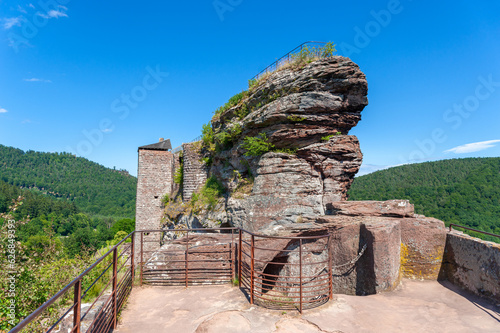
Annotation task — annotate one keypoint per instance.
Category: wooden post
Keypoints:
(115, 291)
(251, 269)
(77, 306)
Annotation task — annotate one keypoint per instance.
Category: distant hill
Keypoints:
(461, 191)
(93, 188)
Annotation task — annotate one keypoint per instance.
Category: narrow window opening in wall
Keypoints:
(156, 197)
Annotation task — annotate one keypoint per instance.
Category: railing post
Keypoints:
(239, 259)
(187, 258)
(78, 306)
(231, 261)
(115, 292)
(132, 267)
(330, 266)
(142, 254)
(300, 274)
(252, 268)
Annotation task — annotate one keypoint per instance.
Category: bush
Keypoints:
(257, 145)
(211, 192)
(232, 102)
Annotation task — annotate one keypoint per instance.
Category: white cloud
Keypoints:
(31, 5)
(107, 130)
(60, 12)
(10, 22)
(473, 147)
(21, 9)
(34, 79)
(2, 110)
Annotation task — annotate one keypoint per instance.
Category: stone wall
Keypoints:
(177, 164)
(195, 172)
(154, 180)
(472, 264)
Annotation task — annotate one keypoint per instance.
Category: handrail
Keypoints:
(114, 250)
(287, 55)
(471, 229)
(54, 298)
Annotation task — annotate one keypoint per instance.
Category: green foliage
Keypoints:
(328, 137)
(328, 50)
(208, 137)
(179, 175)
(460, 191)
(165, 199)
(252, 83)
(232, 102)
(211, 192)
(223, 139)
(289, 151)
(295, 118)
(257, 145)
(93, 188)
(126, 225)
(207, 160)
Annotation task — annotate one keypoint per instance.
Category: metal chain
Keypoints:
(353, 261)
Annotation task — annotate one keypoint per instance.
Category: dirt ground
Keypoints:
(417, 306)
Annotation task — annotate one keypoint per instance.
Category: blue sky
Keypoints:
(100, 78)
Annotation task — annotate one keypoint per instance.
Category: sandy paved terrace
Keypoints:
(416, 306)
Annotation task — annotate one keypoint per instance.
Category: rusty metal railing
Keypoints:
(286, 58)
(285, 272)
(471, 229)
(121, 269)
(185, 261)
(276, 272)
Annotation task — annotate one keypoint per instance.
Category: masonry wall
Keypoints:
(472, 264)
(177, 164)
(154, 180)
(195, 172)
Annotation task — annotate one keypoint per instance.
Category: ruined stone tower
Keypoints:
(154, 180)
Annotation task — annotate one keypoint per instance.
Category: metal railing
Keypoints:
(471, 229)
(298, 276)
(177, 149)
(295, 275)
(121, 286)
(184, 262)
(286, 58)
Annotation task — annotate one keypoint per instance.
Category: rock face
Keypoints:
(299, 186)
(310, 112)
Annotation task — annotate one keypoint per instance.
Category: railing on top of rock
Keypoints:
(311, 46)
(178, 149)
(279, 272)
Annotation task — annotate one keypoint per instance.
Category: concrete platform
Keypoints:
(417, 306)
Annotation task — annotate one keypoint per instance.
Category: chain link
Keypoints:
(353, 261)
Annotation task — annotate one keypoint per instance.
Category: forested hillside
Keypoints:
(54, 241)
(461, 191)
(94, 188)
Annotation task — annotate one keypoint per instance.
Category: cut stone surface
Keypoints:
(417, 306)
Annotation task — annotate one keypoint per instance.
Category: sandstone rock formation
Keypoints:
(295, 109)
(300, 186)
